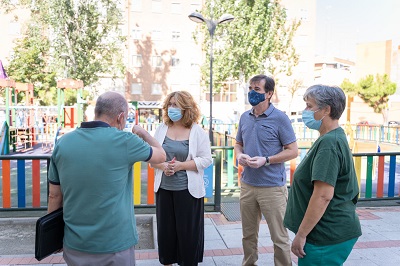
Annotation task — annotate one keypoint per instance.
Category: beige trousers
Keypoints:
(270, 202)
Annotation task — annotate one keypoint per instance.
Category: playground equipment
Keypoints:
(29, 124)
(18, 118)
(62, 85)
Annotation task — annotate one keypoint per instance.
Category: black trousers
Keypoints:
(180, 227)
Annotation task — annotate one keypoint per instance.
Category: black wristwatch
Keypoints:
(267, 161)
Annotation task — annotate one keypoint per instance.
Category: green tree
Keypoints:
(259, 40)
(28, 65)
(374, 91)
(294, 86)
(348, 87)
(86, 31)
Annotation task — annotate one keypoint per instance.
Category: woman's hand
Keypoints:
(298, 246)
(176, 166)
(169, 167)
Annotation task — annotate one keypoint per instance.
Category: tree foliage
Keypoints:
(29, 65)
(85, 32)
(348, 87)
(373, 90)
(257, 41)
(293, 87)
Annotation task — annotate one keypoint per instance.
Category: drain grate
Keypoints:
(231, 211)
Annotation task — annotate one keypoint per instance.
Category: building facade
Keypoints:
(161, 55)
(291, 88)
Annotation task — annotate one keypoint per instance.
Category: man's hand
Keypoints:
(256, 162)
(242, 159)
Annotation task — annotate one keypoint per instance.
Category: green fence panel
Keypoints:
(368, 184)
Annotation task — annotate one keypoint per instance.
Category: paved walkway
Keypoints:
(379, 244)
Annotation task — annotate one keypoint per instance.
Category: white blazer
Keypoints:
(199, 151)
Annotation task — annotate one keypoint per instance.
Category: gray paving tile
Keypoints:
(211, 233)
(369, 234)
(392, 235)
(147, 262)
(356, 259)
(380, 256)
(207, 261)
(214, 244)
(232, 237)
(389, 217)
(380, 225)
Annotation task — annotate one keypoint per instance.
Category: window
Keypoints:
(175, 61)
(194, 62)
(137, 33)
(156, 35)
(176, 8)
(136, 88)
(304, 14)
(176, 35)
(156, 61)
(156, 6)
(156, 89)
(137, 5)
(137, 60)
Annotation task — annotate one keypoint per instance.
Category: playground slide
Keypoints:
(5, 149)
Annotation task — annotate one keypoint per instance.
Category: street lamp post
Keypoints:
(211, 25)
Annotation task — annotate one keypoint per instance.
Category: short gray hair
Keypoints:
(110, 104)
(324, 95)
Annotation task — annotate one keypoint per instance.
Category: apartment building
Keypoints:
(381, 57)
(161, 55)
(304, 42)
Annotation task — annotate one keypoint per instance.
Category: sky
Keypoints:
(341, 24)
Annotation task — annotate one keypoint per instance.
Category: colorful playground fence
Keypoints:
(24, 178)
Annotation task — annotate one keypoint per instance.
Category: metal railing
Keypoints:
(24, 178)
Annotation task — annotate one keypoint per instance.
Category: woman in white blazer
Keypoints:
(179, 183)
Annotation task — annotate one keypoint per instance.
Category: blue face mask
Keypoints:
(309, 120)
(255, 98)
(175, 114)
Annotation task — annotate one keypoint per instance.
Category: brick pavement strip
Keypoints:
(220, 220)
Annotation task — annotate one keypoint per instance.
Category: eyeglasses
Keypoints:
(122, 113)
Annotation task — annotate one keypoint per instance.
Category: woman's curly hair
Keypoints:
(190, 110)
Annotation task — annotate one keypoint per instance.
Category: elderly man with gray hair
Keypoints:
(90, 176)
